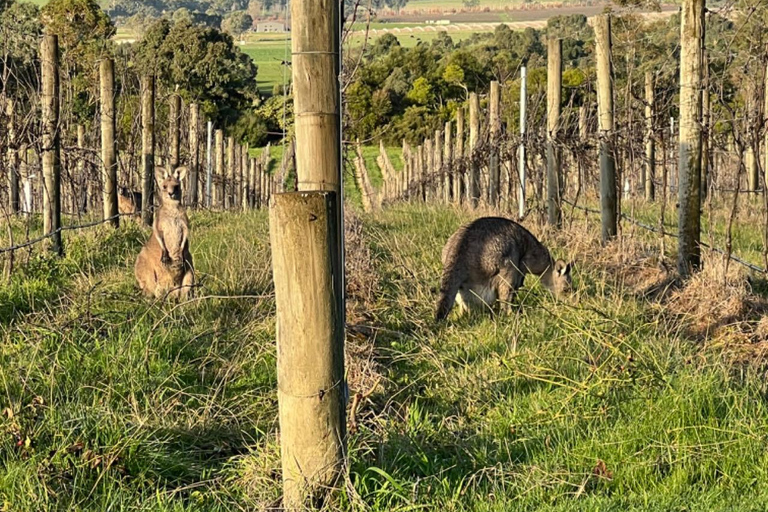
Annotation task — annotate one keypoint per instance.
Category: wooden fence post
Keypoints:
(220, 178)
(459, 182)
(208, 166)
(148, 148)
(255, 188)
(108, 140)
(554, 94)
(229, 195)
(473, 187)
(194, 153)
(83, 178)
(692, 25)
(174, 130)
(447, 164)
(306, 230)
(609, 214)
(49, 57)
(494, 169)
(650, 138)
(521, 150)
(13, 158)
(246, 177)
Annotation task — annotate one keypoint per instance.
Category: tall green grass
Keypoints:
(597, 401)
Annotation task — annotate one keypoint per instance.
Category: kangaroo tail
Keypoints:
(449, 286)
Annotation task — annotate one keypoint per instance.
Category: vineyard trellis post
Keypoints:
(147, 148)
(209, 165)
(108, 140)
(194, 152)
(608, 210)
(306, 230)
(459, 183)
(650, 138)
(49, 57)
(494, 171)
(220, 178)
(246, 177)
(447, 164)
(13, 157)
(692, 28)
(521, 150)
(554, 95)
(473, 183)
(229, 187)
(174, 128)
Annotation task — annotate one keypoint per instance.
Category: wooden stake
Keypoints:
(474, 140)
(310, 357)
(554, 95)
(609, 214)
(447, 164)
(220, 179)
(494, 168)
(49, 57)
(148, 148)
(459, 182)
(194, 154)
(692, 25)
(245, 178)
(108, 140)
(13, 158)
(650, 138)
(174, 129)
(229, 196)
(521, 151)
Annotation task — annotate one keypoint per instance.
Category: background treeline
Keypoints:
(202, 64)
(399, 93)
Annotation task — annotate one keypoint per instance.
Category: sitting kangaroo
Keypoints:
(487, 260)
(164, 264)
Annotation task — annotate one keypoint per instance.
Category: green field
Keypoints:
(268, 53)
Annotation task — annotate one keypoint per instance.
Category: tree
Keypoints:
(237, 23)
(20, 30)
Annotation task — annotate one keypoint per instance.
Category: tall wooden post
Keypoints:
(751, 163)
(650, 139)
(437, 162)
(554, 94)
(108, 140)
(221, 188)
(706, 121)
(255, 189)
(194, 153)
(521, 163)
(49, 57)
(82, 177)
(246, 176)
(209, 166)
(474, 140)
(494, 169)
(229, 194)
(148, 148)
(13, 158)
(459, 182)
(174, 130)
(689, 215)
(608, 210)
(306, 229)
(447, 164)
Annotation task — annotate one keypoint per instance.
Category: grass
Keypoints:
(268, 54)
(600, 401)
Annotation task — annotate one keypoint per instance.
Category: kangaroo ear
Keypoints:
(180, 173)
(561, 268)
(569, 267)
(160, 174)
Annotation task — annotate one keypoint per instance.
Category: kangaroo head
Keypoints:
(170, 183)
(557, 278)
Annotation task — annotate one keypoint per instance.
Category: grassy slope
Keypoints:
(112, 402)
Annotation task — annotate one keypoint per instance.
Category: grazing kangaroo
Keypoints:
(129, 202)
(487, 260)
(164, 264)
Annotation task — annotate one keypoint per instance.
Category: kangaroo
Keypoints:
(129, 202)
(488, 259)
(164, 265)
